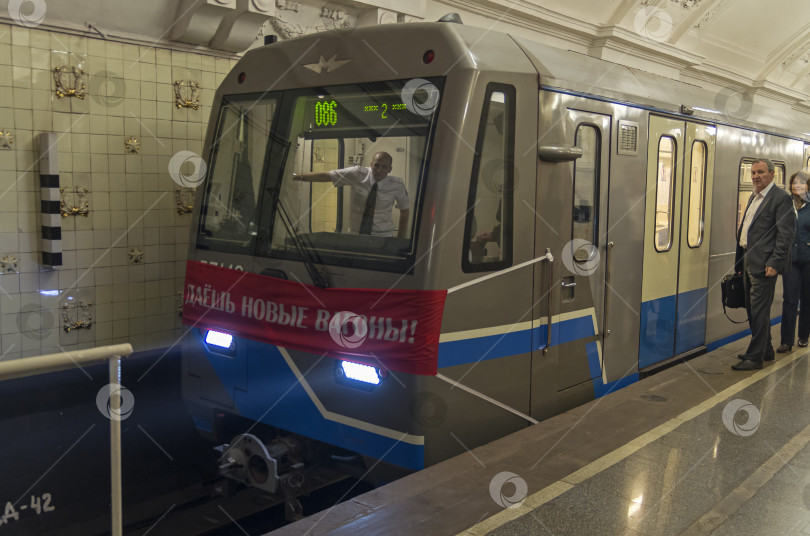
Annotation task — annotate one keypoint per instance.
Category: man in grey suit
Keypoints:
(763, 251)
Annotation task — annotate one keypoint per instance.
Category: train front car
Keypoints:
(313, 348)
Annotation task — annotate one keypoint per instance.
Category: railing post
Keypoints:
(115, 446)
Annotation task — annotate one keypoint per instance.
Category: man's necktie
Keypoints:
(368, 212)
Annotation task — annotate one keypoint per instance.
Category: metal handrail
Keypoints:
(32, 366)
(550, 258)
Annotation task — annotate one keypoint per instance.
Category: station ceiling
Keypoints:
(747, 44)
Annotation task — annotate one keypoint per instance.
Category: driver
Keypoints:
(373, 194)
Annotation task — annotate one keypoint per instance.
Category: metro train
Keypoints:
(569, 222)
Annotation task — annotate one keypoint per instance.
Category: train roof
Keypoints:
(565, 70)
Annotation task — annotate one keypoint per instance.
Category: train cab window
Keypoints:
(313, 172)
(665, 193)
(697, 190)
(229, 218)
(488, 230)
(746, 187)
(586, 185)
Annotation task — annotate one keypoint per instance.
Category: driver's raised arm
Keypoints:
(313, 176)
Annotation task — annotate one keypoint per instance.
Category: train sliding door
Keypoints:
(680, 161)
(572, 214)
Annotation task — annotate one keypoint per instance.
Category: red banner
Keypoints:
(391, 329)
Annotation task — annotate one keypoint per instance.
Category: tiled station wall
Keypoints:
(123, 263)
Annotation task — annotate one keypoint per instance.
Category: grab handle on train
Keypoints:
(609, 257)
(550, 258)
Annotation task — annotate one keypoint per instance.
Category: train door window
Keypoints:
(586, 185)
(488, 230)
(229, 220)
(323, 214)
(779, 174)
(665, 193)
(697, 189)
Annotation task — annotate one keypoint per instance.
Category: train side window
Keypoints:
(697, 190)
(586, 185)
(488, 230)
(665, 193)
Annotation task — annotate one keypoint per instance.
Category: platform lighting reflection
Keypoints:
(360, 373)
(49, 292)
(217, 338)
(635, 506)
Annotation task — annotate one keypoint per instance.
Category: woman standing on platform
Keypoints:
(797, 281)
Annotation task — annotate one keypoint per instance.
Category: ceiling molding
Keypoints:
(705, 13)
(668, 54)
(197, 21)
(790, 50)
(720, 76)
(80, 30)
(710, 14)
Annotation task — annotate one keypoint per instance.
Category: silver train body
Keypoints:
(610, 195)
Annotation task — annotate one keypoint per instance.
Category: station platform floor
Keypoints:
(695, 449)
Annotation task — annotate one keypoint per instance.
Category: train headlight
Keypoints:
(359, 375)
(219, 342)
(217, 338)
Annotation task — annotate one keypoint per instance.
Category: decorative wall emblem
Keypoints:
(74, 201)
(77, 316)
(9, 264)
(75, 88)
(187, 94)
(133, 145)
(6, 139)
(184, 198)
(135, 256)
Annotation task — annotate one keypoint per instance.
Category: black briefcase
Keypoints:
(733, 292)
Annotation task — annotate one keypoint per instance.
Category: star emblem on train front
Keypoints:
(329, 65)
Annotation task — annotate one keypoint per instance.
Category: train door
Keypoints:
(680, 160)
(580, 273)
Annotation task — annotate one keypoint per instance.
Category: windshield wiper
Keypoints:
(306, 253)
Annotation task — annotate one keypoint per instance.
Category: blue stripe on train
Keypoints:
(290, 407)
(658, 321)
(294, 410)
(519, 342)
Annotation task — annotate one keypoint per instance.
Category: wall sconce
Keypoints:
(133, 146)
(187, 94)
(9, 264)
(63, 89)
(184, 198)
(6, 139)
(74, 202)
(77, 316)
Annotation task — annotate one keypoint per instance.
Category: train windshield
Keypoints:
(332, 175)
